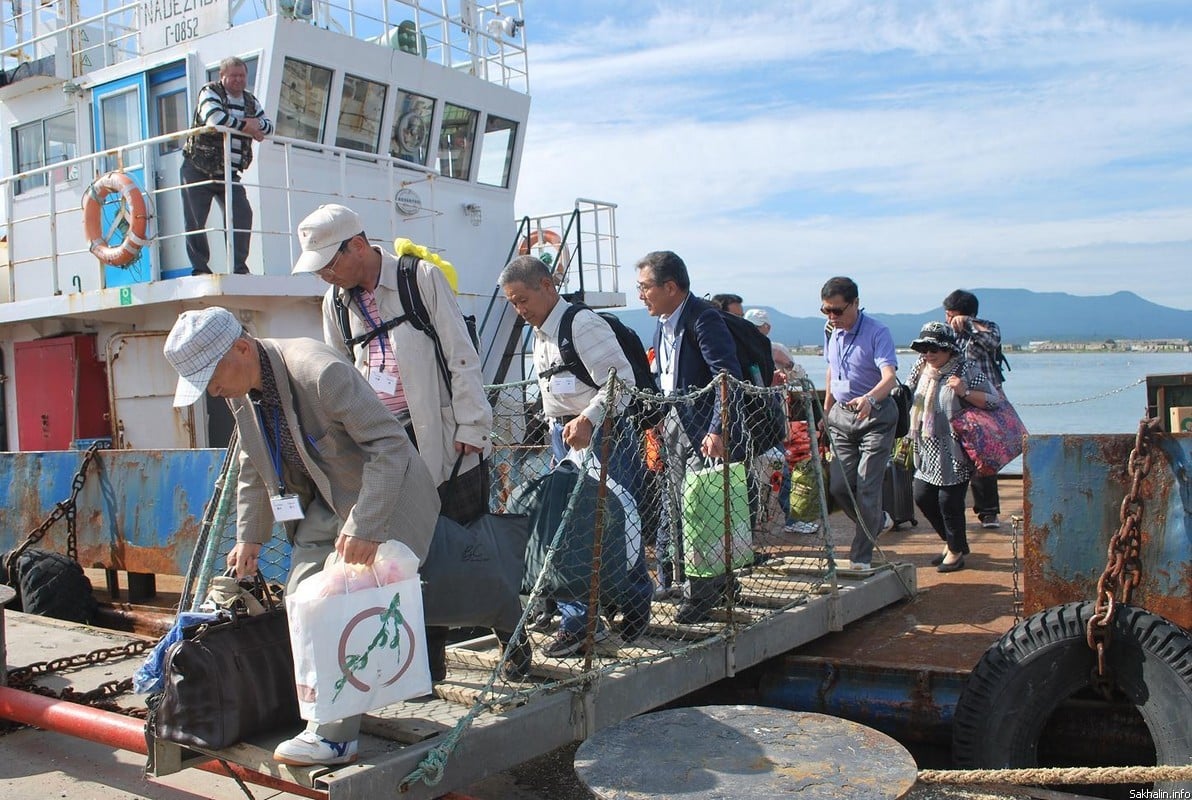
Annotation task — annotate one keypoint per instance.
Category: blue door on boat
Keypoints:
(120, 117)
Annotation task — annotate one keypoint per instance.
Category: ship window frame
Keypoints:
(172, 145)
(46, 145)
(423, 106)
(284, 125)
(486, 166)
(448, 127)
(250, 64)
(376, 119)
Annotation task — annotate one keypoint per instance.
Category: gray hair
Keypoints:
(231, 61)
(524, 269)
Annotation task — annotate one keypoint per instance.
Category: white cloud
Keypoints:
(1042, 147)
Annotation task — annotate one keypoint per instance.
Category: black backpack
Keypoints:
(901, 395)
(416, 314)
(765, 415)
(646, 415)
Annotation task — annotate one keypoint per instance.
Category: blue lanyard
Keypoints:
(855, 332)
(374, 324)
(273, 444)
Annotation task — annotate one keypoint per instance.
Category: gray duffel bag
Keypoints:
(472, 574)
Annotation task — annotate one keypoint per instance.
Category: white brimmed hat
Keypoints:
(321, 234)
(197, 343)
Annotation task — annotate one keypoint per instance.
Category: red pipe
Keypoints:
(115, 730)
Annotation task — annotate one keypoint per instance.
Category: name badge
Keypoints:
(840, 386)
(286, 507)
(562, 384)
(382, 381)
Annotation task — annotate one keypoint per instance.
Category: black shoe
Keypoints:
(242, 271)
(541, 622)
(935, 562)
(633, 624)
(200, 271)
(519, 656)
(690, 613)
(955, 566)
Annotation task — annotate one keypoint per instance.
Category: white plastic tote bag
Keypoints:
(356, 647)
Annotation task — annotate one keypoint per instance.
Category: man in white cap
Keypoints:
(782, 355)
(318, 453)
(371, 317)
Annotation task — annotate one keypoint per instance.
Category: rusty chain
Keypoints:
(102, 696)
(1123, 565)
(65, 508)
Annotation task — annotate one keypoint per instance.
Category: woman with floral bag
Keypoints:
(943, 381)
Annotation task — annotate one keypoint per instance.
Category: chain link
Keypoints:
(64, 508)
(1123, 565)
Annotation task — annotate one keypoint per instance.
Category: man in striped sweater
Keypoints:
(227, 103)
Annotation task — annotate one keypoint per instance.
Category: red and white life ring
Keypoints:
(547, 243)
(132, 219)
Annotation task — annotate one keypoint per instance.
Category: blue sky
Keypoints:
(914, 146)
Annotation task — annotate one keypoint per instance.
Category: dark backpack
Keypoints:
(646, 415)
(416, 314)
(765, 415)
(901, 395)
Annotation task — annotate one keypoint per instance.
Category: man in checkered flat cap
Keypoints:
(319, 453)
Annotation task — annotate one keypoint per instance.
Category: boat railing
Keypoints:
(486, 39)
(43, 218)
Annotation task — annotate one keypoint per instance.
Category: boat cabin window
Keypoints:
(302, 109)
(411, 131)
(496, 152)
(39, 144)
(360, 110)
(172, 115)
(457, 138)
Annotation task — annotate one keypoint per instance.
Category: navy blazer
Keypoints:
(704, 347)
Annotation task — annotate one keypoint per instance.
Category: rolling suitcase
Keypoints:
(898, 498)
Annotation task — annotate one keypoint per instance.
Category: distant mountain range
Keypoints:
(1023, 316)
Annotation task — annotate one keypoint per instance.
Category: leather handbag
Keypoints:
(991, 438)
(226, 681)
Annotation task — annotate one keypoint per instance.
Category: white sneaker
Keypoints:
(308, 748)
(801, 527)
(887, 523)
(860, 565)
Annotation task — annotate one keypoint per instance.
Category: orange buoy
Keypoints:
(132, 219)
(548, 246)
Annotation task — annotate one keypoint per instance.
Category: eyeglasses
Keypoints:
(645, 285)
(329, 268)
(830, 311)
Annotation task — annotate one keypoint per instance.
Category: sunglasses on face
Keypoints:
(831, 311)
(930, 348)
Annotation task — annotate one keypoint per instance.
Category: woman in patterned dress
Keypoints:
(942, 380)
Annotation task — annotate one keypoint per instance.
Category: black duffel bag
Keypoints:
(228, 681)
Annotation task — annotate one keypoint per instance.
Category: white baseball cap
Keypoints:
(757, 316)
(321, 234)
(197, 343)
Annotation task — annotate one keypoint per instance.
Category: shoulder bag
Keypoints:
(991, 438)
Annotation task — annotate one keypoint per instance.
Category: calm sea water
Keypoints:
(1068, 392)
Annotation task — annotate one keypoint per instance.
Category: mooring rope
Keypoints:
(1118, 390)
(1057, 775)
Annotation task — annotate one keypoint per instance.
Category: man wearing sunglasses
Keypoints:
(859, 417)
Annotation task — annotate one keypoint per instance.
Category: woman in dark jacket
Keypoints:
(942, 380)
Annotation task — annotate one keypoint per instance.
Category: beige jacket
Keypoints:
(439, 420)
(359, 458)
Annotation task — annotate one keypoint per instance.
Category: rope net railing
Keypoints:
(639, 548)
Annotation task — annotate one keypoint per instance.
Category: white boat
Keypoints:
(410, 112)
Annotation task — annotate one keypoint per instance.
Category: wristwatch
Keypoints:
(872, 402)
(967, 392)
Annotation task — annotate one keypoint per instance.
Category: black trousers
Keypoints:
(199, 189)
(943, 506)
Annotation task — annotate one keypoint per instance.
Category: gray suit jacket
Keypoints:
(359, 458)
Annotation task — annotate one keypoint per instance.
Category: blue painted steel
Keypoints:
(911, 705)
(139, 510)
(1073, 487)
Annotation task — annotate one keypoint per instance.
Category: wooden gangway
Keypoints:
(786, 602)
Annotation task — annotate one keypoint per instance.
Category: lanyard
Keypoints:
(374, 324)
(855, 332)
(273, 443)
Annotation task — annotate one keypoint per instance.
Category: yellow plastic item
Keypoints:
(404, 247)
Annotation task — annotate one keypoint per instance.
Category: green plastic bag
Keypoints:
(805, 494)
(703, 520)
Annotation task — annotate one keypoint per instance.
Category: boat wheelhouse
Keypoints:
(411, 113)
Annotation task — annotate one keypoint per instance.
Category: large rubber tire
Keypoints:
(52, 585)
(15, 603)
(1044, 660)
